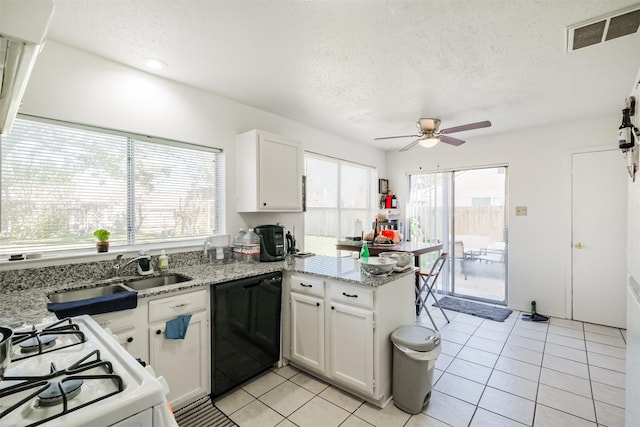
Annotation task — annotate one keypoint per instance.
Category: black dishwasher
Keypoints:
(245, 329)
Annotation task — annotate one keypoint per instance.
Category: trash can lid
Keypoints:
(416, 337)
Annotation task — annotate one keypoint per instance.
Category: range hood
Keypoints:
(23, 26)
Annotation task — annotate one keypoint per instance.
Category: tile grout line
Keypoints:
(493, 369)
(535, 402)
(593, 397)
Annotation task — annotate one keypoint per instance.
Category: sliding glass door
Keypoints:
(465, 211)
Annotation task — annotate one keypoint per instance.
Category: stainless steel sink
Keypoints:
(86, 293)
(114, 288)
(154, 282)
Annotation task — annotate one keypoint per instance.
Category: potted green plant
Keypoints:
(102, 245)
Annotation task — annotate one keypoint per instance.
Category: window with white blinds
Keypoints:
(337, 193)
(60, 182)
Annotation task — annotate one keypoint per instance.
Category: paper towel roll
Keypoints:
(357, 228)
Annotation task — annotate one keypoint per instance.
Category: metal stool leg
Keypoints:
(428, 282)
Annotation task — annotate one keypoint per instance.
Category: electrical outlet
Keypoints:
(521, 211)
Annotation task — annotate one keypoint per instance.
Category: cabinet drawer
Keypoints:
(354, 295)
(118, 320)
(172, 306)
(307, 285)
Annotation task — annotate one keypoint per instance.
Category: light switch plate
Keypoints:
(521, 211)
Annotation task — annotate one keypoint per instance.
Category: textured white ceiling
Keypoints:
(371, 68)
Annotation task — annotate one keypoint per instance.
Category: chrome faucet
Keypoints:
(119, 267)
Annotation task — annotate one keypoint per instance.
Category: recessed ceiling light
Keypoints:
(155, 64)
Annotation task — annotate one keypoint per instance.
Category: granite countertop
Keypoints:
(28, 306)
(346, 269)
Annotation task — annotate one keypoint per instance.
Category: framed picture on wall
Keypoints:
(383, 186)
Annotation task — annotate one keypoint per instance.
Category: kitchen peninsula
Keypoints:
(337, 323)
(360, 314)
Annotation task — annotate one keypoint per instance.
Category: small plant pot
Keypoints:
(102, 246)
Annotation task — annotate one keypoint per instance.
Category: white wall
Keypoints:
(73, 85)
(538, 163)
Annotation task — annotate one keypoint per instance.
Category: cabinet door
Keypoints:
(307, 331)
(183, 363)
(351, 360)
(130, 329)
(279, 179)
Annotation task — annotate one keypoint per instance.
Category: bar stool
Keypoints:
(425, 283)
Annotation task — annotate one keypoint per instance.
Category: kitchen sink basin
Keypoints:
(87, 293)
(154, 282)
(106, 298)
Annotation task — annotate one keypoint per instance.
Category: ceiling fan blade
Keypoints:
(469, 126)
(451, 140)
(399, 136)
(408, 147)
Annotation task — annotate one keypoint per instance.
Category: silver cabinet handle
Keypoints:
(180, 305)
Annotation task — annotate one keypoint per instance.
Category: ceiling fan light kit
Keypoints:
(430, 136)
(429, 141)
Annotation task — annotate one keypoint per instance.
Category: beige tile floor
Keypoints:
(513, 373)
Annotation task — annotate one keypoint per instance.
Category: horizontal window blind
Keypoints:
(337, 193)
(174, 192)
(60, 182)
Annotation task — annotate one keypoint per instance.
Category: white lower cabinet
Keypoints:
(184, 363)
(307, 330)
(130, 329)
(351, 337)
(340, 331)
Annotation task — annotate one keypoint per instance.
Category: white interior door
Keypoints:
(599, 218)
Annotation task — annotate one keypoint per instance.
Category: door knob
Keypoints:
(579, 245)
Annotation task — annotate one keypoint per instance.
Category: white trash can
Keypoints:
(415, 350)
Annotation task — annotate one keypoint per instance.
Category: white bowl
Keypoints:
(376, 266)
(403, 258)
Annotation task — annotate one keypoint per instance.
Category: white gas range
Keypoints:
(74, 373)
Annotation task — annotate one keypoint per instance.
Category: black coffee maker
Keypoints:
(272, 246)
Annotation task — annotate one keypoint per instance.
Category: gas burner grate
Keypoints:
(35, 342)
(68, 387)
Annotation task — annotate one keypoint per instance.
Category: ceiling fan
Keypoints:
(430, 134)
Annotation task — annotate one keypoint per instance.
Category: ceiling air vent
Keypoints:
(603, 28)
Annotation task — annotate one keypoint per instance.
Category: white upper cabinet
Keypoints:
(268, 173)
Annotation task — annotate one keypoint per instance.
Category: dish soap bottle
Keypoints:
(163, 261)
(364, 252)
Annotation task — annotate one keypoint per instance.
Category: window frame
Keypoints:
(186, 242)
(371, 209)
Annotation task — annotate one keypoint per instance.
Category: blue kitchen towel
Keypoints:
(104, 304)
(176, 329)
